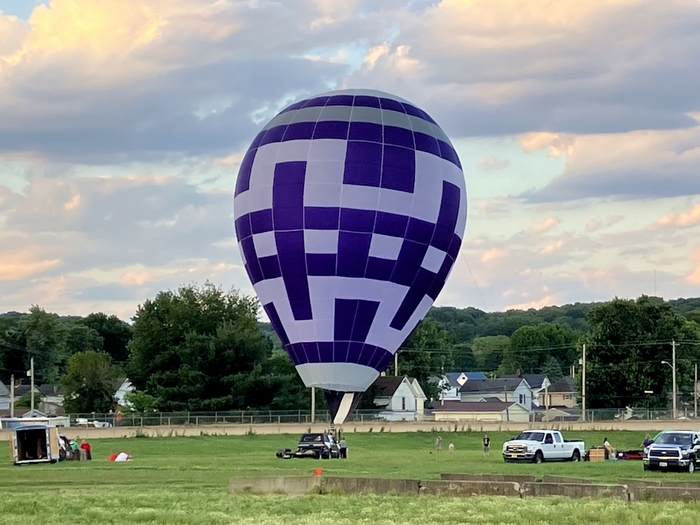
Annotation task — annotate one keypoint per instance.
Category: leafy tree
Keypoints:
(624, 354)
(141, 402)
(197, 349)
(44, 338)
(532, 346)
(463, 358)
(426, 353)
(552, 369)
(81, 338)
(90, 382)
(114, 332)
(489, 350)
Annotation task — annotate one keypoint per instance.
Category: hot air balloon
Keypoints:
(349, 210)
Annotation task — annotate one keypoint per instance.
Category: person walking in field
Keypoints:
(487, 444)
(343, 446)
(451, 448)
(438, 445)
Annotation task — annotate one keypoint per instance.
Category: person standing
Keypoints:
(343, 448)
(451, 448)
(438, 445)
(486, 444)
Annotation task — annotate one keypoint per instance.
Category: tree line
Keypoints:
(202, 349)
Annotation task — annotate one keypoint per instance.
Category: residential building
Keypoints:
(538, 383)
(4, 398)
(504, 389)
(491, 410)
(451, 382)
(562, 394)
(400, 398)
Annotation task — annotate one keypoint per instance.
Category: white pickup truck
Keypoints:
(542, 445)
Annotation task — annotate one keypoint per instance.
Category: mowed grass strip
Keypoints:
(184, 480)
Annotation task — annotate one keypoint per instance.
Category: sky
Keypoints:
(123, 123)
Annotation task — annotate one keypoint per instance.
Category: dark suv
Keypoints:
(317, 446)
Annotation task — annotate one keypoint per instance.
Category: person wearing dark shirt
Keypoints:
(487, 444)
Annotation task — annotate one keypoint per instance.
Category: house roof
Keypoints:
(417, 388)
(387, 385)
(23, 390)
(51, 390)
(534, 380)
(471, 376)
(459, 406)
(565, 384)
(491, 385)
(4, 391)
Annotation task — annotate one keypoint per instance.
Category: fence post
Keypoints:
(161, 419)
(196, 421)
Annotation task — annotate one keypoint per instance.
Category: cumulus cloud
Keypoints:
(545, 225)
(492, 163)
(685, 219)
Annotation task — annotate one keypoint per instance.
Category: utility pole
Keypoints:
(695, 392)
(313, 404)
(12, 394)
(396, 364)
(505, 394)
(583, 384)
(675, 396)
(31, 374)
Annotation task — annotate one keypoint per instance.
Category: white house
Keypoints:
(122, 391)
(400, 398)
(507, 390)
(451, 382)
(491, 410)
(4, 397)
(538, 384)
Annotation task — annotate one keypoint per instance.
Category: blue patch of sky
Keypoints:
(22, 9)
(498, 167)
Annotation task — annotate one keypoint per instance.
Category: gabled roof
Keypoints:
(51, 390)
(471, 376)
(452, 378)
(491, 385)
(536, 381)
(565, 384)
(387, 385)
(459, 406)
(4, 391)
(23, 390)
(417, 390)
(475, 376)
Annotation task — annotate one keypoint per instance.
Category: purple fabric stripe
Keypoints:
(270, 267)
(274, 317)
(379, 269)
(288, 195)
(419, 289)
(243, 229)
(441, 277)
(290, 248)
(353, 252)
(363, 164)
(366, 311)
(398, 168)
(409, 261)
(447, 217)
(343, 352)
(320, 218)
(331, 129)
(353, 220)
(261, 221)
(243, 181)
(320, 264)
(251, 260)
(344, 318)
(299, 131)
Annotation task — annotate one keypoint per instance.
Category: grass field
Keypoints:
(184, 480)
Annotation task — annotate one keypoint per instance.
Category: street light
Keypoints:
(673, 368)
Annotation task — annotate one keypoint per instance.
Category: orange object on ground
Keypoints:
(318, 471)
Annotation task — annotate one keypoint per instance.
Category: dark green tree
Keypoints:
(197, 349)
(532, 346)
(90, 383)
(489, 351)
(81, 338)
(44, 338)
(114, 332)
(630, 340)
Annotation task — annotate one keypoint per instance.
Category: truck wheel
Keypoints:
(691, 466)
(646, 467)
(539, 458)
(576, 456)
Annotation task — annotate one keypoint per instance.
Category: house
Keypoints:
(400, 398)
(562, 394)
(538, 384)
(51, 401)
(504, 389)
(124, 388)
(451, 382)
(4, 398)
(491, 410)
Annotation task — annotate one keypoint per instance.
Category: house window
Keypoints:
(568, 397)
(521, 399)
(403, 403)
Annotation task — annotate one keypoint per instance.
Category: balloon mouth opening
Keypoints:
(341, 405)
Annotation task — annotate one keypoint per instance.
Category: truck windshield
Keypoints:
(674, 438)
(531, 436)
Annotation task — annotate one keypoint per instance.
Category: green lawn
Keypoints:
(184, 480)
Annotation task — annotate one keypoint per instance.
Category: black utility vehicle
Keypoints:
(316, 446)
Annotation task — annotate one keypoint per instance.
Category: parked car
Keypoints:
(537, 446)
(673, 450)
(316, 446)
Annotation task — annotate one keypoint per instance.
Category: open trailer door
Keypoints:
(13, 449)
(53, 452)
